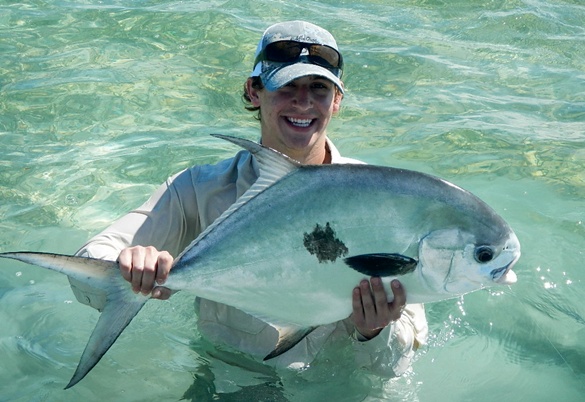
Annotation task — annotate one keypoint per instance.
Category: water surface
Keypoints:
(100, 101)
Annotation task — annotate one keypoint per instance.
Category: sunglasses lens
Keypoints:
(324, 56)
(289, 51)
(283, 52)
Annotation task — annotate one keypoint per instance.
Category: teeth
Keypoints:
(300, 122)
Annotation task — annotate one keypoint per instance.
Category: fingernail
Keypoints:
(156, 293)
(396, 284)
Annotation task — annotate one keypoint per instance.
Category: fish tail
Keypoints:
(87, 270)
(121, 306)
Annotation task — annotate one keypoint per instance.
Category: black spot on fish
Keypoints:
(322, 243)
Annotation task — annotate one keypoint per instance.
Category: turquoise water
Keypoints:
(100, 101)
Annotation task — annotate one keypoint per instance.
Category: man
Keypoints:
(296, 88)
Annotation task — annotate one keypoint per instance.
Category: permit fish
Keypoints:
(292, 248)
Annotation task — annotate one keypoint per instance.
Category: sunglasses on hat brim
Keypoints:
(288, 51)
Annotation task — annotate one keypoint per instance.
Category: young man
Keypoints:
(296, 88)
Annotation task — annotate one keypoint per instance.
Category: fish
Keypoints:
(290, 250)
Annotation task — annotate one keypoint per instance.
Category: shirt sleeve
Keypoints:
(390, 353)
(167, 221)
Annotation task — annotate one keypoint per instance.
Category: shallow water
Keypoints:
(100, 101)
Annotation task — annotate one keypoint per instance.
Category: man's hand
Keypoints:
(144, 268)
(371, 310)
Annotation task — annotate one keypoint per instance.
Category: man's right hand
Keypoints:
(146, 268)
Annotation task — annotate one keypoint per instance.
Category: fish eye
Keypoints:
(484, 254)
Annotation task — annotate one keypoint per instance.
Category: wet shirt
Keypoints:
(189, 202)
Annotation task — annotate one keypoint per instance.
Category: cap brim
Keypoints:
(277, 77)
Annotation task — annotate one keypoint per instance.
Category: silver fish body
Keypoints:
(264, 247)
(293, 247)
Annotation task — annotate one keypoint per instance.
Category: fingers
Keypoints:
(125, 264)
(369, 303)
(358, 314)
(379, 294)
(164, 263)
(396, 307)
(144, 267)
(371, 310)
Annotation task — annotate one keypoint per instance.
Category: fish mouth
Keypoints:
(505, 275)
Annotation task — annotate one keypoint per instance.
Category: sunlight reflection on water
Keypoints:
(101, 102)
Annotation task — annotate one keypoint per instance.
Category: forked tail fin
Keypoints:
(121, 307)
(121, 303)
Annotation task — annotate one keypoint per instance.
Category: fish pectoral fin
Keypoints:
(382, 264)
(288, 337)
(121, 307)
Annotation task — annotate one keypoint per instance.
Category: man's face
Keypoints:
(295, 117)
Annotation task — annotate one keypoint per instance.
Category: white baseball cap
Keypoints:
(294, 49)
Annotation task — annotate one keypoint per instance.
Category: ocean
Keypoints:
(101, 101)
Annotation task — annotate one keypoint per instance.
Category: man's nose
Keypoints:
(303, 98)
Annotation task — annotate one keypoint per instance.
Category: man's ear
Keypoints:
(253, 93)
(337, 100)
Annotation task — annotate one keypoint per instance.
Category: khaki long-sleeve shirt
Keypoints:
(180, 210)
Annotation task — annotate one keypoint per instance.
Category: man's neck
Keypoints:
(316, 155)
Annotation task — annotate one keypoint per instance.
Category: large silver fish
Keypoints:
(293, 247)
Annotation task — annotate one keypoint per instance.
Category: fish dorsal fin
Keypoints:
(273, 164)
(273, 167)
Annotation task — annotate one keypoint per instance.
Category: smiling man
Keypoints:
(296, 89)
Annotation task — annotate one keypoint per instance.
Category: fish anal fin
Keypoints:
(382, 264)
(288, 337)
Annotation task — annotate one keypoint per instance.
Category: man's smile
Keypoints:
(303, 123)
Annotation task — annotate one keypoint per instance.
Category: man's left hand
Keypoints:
(371, 310)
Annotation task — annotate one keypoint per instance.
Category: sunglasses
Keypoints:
(288, 51)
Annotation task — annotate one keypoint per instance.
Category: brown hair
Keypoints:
(256, 84)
